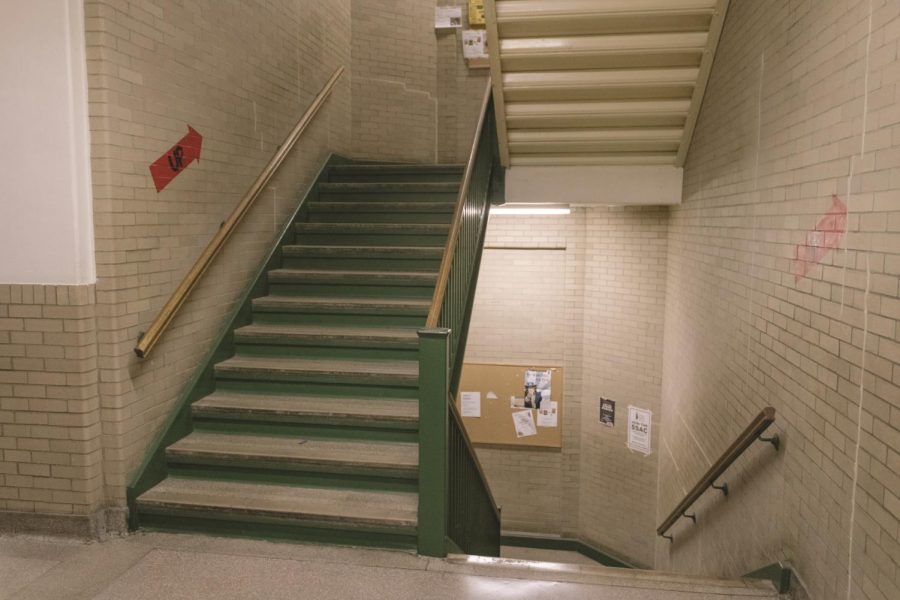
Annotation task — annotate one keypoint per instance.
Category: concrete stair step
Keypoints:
(381, 207)
(395, 173)
(638, 579)
(375, 228)
(329, 232)
(371, 511)
(355, 278)
(323, 410)
(397, 460)
(403, 373)
(392, 187)
(369, 252)
(338, 305)
(321, 335)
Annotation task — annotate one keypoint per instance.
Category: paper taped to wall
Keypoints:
(639, 429)
(474, 43)
(448, 17)
(607, 412)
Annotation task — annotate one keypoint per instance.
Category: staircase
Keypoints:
(310, 429)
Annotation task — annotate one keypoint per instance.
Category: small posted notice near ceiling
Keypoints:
(474, 43)
(476, 12)
(448, 17)
(639, 429)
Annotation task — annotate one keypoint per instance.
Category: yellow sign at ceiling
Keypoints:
(476, 12)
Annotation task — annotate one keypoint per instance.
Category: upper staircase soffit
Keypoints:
(600, 82)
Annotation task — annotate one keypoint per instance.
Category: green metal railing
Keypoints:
(456, 507)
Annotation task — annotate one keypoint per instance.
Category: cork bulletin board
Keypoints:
(501, 390)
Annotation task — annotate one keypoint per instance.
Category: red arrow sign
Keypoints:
(821, 240)
(177, 159)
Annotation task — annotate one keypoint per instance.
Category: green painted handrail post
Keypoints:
(434, 379)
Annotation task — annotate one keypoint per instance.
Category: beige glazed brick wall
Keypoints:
(50, 449)
(624, 300)
(241, 74)
(802, 105)
(414, 98)
(527, 303)
(586, 292)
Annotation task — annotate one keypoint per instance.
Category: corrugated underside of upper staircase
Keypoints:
(610, 82)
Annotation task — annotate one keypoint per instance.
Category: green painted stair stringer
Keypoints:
(152, 469)
(238, 364)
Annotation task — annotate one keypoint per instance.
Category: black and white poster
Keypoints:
(639, 429)
(607, 412)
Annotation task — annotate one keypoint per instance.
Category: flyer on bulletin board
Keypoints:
(524, 423)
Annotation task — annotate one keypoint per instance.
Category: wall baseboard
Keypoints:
(99, 525)
(553, 542)
(779, 573)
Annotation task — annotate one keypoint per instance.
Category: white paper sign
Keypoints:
(639, 429)
(547, 414)
(524, 423)
(470, 404)
(474, 43)
(447, 17)
(491, 396)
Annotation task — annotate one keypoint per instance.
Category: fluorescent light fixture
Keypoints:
(529, 210)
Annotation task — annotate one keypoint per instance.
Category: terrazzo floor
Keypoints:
(154, 566)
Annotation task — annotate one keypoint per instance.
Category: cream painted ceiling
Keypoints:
(600, 82)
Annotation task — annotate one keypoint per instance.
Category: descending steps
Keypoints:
(311, 430)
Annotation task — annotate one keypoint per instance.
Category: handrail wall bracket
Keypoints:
(774, 440)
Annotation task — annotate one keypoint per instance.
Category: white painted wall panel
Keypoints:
(46, 227)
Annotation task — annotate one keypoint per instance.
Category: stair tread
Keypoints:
(351, 274)
(396, 509)
(389, 186)
(615, 576)
(382, 205)
(362, 301)
(373, 251)
(370, 409)
(297, 449)
(317, 304)
(387, 367)
(391, 227)
(396, 168)
(328, 331)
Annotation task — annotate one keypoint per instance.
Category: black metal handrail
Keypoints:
(752, 433)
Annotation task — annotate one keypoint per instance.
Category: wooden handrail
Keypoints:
(752, 433)
(437, 300)
(149, 339)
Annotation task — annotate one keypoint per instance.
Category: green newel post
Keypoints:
(434, 381)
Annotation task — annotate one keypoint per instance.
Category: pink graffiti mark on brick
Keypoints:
(821, 240)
